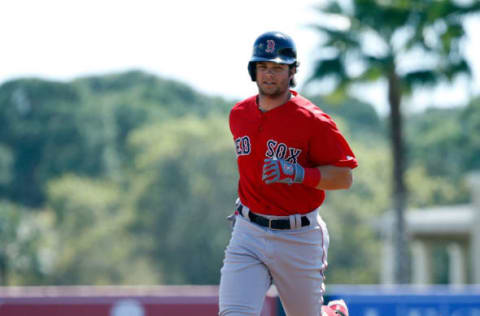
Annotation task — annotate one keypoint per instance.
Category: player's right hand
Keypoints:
(280, 171)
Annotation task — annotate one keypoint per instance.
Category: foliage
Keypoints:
(140, 89)
(351, 217)
(52, 128)
(443, 146)
(435, 136)
(35, 116)
(6, 166)
(23, 235)
(470, 140)
(184, 178)
(91, 241)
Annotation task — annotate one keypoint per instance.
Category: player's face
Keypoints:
(273, 79)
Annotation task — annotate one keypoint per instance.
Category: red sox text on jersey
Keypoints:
(275, 149)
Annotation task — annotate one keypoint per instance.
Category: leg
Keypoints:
(298, 271)
(244, 277)
(301, 292)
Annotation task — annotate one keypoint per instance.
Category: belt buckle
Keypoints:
(269, 223)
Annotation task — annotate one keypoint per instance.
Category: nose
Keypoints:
(270, 72)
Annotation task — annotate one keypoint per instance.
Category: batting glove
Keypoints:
(280, 171)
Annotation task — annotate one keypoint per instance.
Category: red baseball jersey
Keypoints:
(298, 132)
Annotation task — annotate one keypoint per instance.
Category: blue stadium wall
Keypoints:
(407, 300)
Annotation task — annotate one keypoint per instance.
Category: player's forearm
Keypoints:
(334, 178)
(321, 177)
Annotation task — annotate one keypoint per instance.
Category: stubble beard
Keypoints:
(273, 92)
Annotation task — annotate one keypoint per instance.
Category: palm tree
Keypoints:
(379, 35)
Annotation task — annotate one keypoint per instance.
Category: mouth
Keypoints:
(268, 83)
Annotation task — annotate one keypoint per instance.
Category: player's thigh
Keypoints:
(243, 284)
(244, 277)
(298, 272)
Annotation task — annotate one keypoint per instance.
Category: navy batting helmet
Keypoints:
(276, 47)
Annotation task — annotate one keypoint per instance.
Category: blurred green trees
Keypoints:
(128, 178)
(183, 188)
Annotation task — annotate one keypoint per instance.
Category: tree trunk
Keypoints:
(398, 183)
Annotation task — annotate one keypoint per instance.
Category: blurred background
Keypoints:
(117, 165)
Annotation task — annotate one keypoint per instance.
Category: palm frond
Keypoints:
(452, 69)
(370, 74)
(335, 37)
(375, 14)
(434, 27)
(333, 67)
(332, 7)
(421, 78)
(450, 37)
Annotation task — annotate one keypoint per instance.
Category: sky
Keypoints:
(205, 43)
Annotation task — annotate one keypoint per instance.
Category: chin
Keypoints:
(272, 93)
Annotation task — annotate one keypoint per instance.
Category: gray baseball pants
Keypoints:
(294, 260)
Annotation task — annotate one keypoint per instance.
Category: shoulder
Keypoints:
(309, 110)
(241, 111)
(244, 105)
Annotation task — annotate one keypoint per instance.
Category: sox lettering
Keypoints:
(282, 151)
(274, 149)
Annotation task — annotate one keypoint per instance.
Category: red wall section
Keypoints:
(116, 301)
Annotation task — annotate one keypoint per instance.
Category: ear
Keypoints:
(293, 70)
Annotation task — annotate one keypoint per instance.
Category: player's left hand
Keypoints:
(280, 171)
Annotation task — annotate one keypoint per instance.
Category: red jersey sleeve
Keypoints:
(328, 146)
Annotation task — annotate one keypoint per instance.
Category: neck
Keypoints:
(267, 102)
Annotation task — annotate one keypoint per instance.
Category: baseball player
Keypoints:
(289, 153)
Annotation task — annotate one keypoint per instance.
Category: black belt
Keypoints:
(271, 223)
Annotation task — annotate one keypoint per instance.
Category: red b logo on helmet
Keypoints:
(270, 46)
